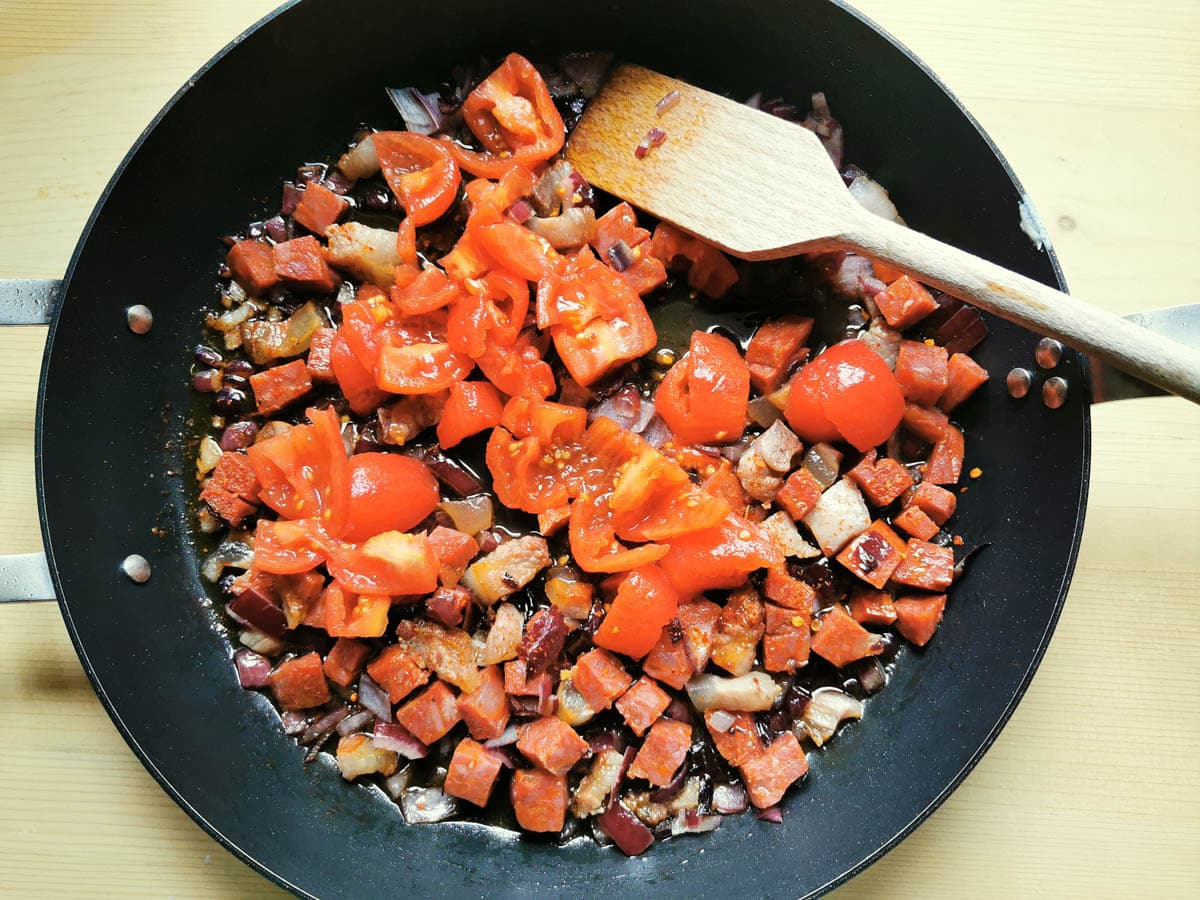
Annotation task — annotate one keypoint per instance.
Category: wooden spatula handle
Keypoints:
(1151, 357)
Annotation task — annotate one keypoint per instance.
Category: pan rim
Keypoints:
(210, 828)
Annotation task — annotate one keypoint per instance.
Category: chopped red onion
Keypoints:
(396, 784)
(668, 791)
(520, 212)
(575, 183)
(626, 830)
(771, 814)
(390, 736)
(626, 762)
(425, 805)
(253, 671)
(657, 432)
(627, 408)
(291, 198)
(545, 635)
(826, 127)
(294, 722)
(667, 103)
(681, 712)
(606, 740)
(360, 721)
(506, 739)
(451, 473)
(733, 452)
(276, 229)
(642, 148)
(337, 181)
(729, 799)
(207, 381)
(371, 696)
(721, 720)
(656, 136)
(258, 611)
(421, 113)
(620, 255)
(324, 725)
(506, 756)
(962, 332)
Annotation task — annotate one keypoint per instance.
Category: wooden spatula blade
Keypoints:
(731, 173)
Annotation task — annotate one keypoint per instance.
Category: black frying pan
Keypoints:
(114, 408)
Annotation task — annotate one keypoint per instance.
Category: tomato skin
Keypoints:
(425, 367)
(510, 112)
(388, 492)
(518, 370)
(420, 171)
(703, 397)
(518, 249)
(474, 406)
(490, 315)
(304, 474)
(644, 604)
(846, 393)
(593, 539)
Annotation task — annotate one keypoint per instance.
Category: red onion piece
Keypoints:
(657, 432)
(625, 829)
(337, 181)
(253, 671)
(681, 712)
(721, 720)
(626, 762)
(421, 113)
(729, 799)
(506, 756)
(545, 634)
(506, 739)
(447, 605)
(323, 725)
(291, 198)
(520, 212)
(667, 792)
(826, 127)
(656, 136)
(239, 436)
(371, 696)
(276, 229)
(691, 822)
(294, 722)
(390, 736)
(606, 740)
(451, 473)
(667, 103)
(620, 256)
(258, 611)
(962, 332)
(576, 183)
(360, 721)
(642, 148)
(771, 814)
(627, 408)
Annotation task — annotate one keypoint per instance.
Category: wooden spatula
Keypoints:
(760, 188)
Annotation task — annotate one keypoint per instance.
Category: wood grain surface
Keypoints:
(1091, 791)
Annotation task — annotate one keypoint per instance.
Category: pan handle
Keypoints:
(27, 301)
(1180, 323)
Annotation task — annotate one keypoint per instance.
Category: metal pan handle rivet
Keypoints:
(1018, 382)
(1049, 353)
(139, 318)
(136, 567)
(1054, 392)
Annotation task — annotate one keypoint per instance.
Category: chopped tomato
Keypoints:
(319, 207)
(921, 370)
(518, 370)
(642, 704)
(841, 640)
(428, 290)
(420, 171)
(489, 200)
(777, 345)
(285, 548)
(419, 368)
(276, 387)
(645, 602)
(539, 800)
(356, 382)
(550, 423)
(474, 406)
(917, 618)
(472, 773)
(703, 396)
(709, 271)
(253, 265)
(514, 117)
(304, 473)
(454, 551)
(345, 614)
(718, 557)
(388, 492)
(300, 264)
(431, 714)
(594, 541)
(490, 313)
(619, 224)
(600, 679)
(662, 752)
(390, 563)
(300, 683)
(518, 250)
(551, 744)
(846, 393)
(523, 473)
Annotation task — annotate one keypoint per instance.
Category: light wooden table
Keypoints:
(1092, 790)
